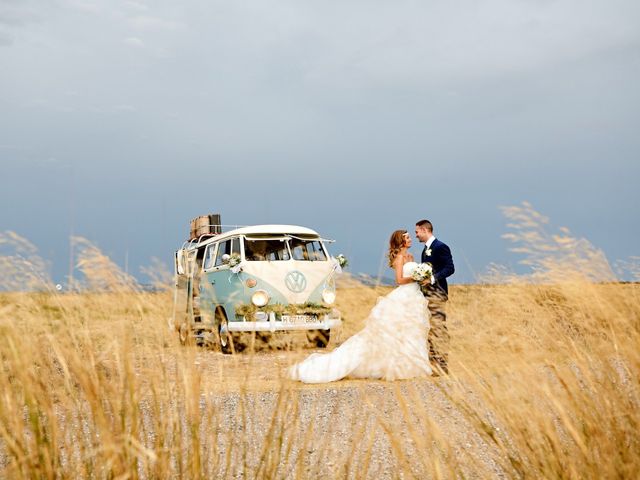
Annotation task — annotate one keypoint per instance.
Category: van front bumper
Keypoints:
(273, 325)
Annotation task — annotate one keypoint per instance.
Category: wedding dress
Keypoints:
(391, 346)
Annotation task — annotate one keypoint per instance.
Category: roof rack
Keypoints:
(205, 236)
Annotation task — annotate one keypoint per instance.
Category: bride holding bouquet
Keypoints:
(393, 343)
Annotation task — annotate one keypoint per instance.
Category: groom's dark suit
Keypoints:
(439, 256)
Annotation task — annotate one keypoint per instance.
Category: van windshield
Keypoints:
(258, 250)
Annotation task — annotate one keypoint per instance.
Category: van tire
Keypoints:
(184, 333)
(225, 340)
(319, 338)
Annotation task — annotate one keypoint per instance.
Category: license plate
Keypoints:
(300, 319)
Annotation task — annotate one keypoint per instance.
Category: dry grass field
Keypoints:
(544, 383)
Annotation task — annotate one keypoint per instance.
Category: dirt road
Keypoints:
(352, 428)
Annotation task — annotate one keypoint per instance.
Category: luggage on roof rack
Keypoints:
(205, 224)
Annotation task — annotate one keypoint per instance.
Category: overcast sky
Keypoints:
(122, 120)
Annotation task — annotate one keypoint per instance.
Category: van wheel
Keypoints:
(200, 338)
(319, 338)
(225, 338)
(183, 333)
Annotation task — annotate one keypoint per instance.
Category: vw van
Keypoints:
(263, 278)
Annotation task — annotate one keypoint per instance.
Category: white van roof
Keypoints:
(267, 229)
(258, 230)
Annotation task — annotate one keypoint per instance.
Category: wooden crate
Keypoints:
(205, 224)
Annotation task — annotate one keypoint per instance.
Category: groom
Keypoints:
(438, 255)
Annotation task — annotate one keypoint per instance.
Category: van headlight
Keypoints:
(329, 296)
(260, 298)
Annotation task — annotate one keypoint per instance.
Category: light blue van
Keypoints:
(263, 278)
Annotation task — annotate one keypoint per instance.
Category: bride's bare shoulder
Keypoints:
(407, 258)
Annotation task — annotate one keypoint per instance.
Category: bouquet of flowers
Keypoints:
(342, 261)
(339, 263)
(423, 272)
(234, 262)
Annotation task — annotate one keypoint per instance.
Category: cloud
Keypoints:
(5, 39)
(146, 22)
(7, 146)
(17, 14)
(408, 43)
(141, 7)
(84, 6)
(134, 42)
(124, 108)
(13, 15)
(462, 93)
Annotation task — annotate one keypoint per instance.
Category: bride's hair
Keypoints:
(396, 242)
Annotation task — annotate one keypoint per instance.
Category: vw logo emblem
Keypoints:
(295, 281)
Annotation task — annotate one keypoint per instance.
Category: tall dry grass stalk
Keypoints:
(544, 383)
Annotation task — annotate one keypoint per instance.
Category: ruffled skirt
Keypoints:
(391, 346)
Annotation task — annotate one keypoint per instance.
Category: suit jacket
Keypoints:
(442, 263)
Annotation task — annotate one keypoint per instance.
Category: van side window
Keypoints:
(235, 245)
(180, 270)
(190, 262)
(224, 248)
(209, 256)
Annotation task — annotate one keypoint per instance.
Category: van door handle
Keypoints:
(213, 282)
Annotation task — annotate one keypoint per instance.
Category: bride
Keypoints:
(393, 343)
